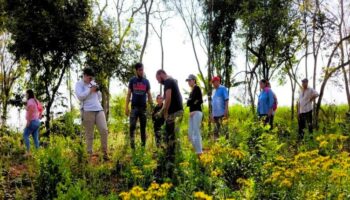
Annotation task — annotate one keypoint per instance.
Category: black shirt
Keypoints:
(195, 100)
(158, 121)
(176, 98)
(139, 88)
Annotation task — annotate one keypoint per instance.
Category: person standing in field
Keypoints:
(265, 103)
(139, 90)
(219, 105)
(274, 107)
(34, 112)
(304, 106)
(92, 112)
(195, 102)
(158, 120)
(172, 112)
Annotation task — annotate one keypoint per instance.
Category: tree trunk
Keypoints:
(342, 55)
(106, 98)
(147, 13)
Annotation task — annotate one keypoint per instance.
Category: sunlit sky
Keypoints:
(180, 62)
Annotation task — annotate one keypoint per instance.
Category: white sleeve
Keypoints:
(314, 92)
(80, 92)
(99, 94)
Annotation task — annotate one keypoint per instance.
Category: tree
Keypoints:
(108, 61)
(162, 18)
(10, 71)
(224, 15)
(270, 31)
(147, 6)
(49, 34)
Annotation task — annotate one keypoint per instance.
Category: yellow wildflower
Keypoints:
(202, 195)
(285, 183)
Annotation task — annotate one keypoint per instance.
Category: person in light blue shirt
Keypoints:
(219, 105)
(265, 103)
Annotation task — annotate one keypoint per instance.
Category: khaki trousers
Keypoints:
(90, 118)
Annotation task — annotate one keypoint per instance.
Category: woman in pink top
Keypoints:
(33, 114)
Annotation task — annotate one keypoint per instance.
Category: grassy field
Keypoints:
(254, 163)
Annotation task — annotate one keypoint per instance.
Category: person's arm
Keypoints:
(167, 102)
(226, 109)
(81, 93)
(270, 103)
(150, 100)
(99, 94)
(127, 101)
(226, 97)
(149, 95)
(314, 95)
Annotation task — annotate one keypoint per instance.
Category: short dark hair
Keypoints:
(159, 96)
(161, 71)
(30, 93)
(88, 71)
(138, 66)
(264, 81)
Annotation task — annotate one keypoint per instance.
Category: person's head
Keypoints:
(216, 80)
(191, 80)
(268, 84)
(88, 75)
(30, 94)
(263, 83)
(161, 76)
(159, 99)
(305, 83)
(139, 70)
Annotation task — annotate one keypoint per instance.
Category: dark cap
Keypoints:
(191, 77)
(305, 80)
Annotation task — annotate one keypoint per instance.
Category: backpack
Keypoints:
(40, 108)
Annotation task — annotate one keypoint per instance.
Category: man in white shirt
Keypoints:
(306, 97)
(92, 112)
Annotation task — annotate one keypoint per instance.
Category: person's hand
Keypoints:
(127, 112)
(27, 124)
(269, 113)
(93, 89)
(191, 114)
(226, 114)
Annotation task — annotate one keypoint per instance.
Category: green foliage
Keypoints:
(254, 163)
(65, 125)
(53, 171)
(49, 34)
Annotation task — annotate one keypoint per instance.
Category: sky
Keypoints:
(180, 62)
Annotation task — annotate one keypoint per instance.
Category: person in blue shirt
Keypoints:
(265, 103)
(139, 89)
(219, 105)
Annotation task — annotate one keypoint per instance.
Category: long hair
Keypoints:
(30, 93)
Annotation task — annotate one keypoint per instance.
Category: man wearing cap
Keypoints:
(194, 102)
(91, 110)
(306, 97)
(219, 105)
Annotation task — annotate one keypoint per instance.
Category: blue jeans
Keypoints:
(194, 132)
(32, 129)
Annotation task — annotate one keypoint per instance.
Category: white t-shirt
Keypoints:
(89, 101)
(305, 105)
